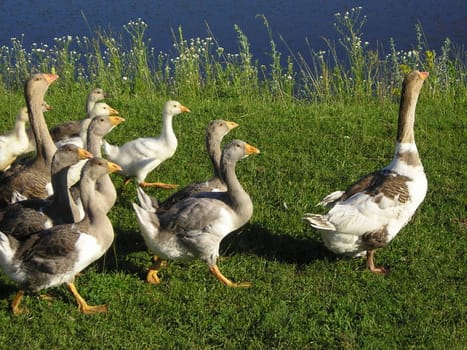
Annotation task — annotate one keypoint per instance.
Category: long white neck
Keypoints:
(20, 130)
(167, 129)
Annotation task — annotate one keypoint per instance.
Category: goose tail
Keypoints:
(331, 199)
(319, 222)
(110, 151)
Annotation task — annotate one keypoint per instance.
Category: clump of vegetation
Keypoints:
(201, 67)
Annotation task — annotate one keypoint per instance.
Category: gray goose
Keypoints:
(72, 128)
(55, 256)
(372, 211)
(215, 132)
(32, 180)
(195, 226)
(105, 189)
(23, 218)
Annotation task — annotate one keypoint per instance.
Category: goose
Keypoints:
(55, 256)
(73, 128)
(372, 211)
(105, 190)
(141, 156)
(215, 132)
(32, 180)
(15, 142)
(25, 217)
(99, 109)
(194, 227)
(20, 140)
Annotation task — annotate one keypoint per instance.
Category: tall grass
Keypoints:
(350, 70)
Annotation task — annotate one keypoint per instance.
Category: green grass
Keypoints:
(303, 297)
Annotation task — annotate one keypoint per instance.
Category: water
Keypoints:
(294, 20)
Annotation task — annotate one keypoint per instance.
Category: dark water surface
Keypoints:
(295, 20)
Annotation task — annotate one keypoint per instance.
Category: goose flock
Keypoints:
(54, 204)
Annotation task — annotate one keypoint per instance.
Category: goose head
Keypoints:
(70, 154)
(103, 109)
(413, 82)
(38, 84)
(238, 149)
(219, 128)
(97, 94)
(102, 125)
(98, 167)
(174, 107)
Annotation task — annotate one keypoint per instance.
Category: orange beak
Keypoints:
(424, 75)
(83, 154)
(184, 109)
(50, 77)
(116, 120)
(231, 125)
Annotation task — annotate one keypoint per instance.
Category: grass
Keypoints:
(312, 141)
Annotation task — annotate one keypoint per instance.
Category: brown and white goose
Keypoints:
(32, 180)
(141, 156)
(215, 132)
(372, 211)
(23, 218)
(194, 227)
(52, 257)
(73, 128)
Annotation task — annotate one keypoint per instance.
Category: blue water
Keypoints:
(294, 20)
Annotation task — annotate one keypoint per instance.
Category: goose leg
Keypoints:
(371, 263)
(157, 184)
(152, 276)
(83, 305)
(16, 301)
(224, 280)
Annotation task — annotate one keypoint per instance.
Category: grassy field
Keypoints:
(302, 297)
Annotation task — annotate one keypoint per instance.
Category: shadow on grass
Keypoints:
(274, 246)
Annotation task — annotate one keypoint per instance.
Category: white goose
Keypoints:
(18, 141)
(194, 227)
(141, 156)
(372, 211)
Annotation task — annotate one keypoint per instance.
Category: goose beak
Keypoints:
(113, 167)
(113, 111)
(423, 75)
(184, 109)
(231, 125)
(249, 149)
(83, 154)
(50, 78)
(116, 120)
